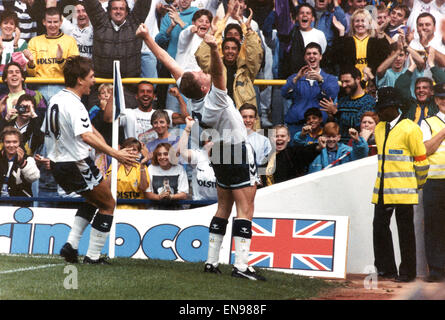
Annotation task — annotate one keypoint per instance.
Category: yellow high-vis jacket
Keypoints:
(402, 163)
(437, 159)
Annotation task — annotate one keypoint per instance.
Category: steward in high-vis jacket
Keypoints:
(433, 129)
(402, 171)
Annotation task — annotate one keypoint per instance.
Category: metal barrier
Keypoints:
(119, 201)
(257, 82)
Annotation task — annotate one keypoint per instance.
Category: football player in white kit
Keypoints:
(236, 181)
(69, 136)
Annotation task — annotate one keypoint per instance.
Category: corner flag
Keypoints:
(118, 91)
(118, 109)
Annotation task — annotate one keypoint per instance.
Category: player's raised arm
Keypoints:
(162, 55)
(216, 64)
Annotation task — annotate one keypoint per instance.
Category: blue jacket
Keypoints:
(305, 96)
(324, 23)
(170, 41)
(358, 150)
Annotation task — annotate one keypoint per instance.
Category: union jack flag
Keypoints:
(300, 244)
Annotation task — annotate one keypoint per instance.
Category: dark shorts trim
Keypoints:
(76, 176)
(234, 165)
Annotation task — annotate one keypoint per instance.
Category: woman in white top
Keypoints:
(168, 181)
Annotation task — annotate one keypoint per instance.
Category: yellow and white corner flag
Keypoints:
(118, 108)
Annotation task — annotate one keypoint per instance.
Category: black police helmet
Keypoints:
(388, 97)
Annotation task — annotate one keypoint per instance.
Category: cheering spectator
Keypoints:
(30, 14)
(363, 47)
(173, 23)
(49, 51)
(326, 12)
(301, 35)
(241, 69)
(352, 105)
(288, 162)
(171, 26)
(82, 31)
(397, 21)
(168, 182)
(12, 47)
(14, 78)
(132, 180)
(160, 121)
(353, 6)
(137, 122)
(423, 6)
(312, 129)
(427, 39)
(307, 87)
(114, 38)
(17, 170)
(189, 40)
(336, 153)
(393, 66)
(368, 122)
(423, 105)
(191, 37)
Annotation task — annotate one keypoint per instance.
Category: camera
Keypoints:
(21, 109)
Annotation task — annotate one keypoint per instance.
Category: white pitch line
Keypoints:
(32, 268)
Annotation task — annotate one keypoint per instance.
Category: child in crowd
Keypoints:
(312, 130)
(337, 153)
(132, 180)
(105, 91)
(96, 114)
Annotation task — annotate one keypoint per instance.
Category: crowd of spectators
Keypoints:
(332, 56)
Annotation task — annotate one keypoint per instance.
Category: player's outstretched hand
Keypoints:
(125, 156)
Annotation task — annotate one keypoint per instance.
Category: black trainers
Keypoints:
(88, 260)
(248, 274)
(211, 268)
(69, 254)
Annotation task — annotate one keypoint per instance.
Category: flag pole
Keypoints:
(117, 103)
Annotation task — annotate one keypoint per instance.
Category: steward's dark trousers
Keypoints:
(434, 217)
(382, 239)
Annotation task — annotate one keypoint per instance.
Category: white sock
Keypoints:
(97, 242)
(77, 230)
(242, 249)
(215, 241)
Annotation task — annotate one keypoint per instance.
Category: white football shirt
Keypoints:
(65, 121)
(217, 111)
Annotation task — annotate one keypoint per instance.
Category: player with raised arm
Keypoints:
(236, 181)
(69, 136)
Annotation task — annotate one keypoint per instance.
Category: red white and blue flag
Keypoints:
(300, 244)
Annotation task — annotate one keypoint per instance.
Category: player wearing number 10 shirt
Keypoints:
(69, 135)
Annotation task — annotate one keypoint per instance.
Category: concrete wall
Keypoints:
(344, 190)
